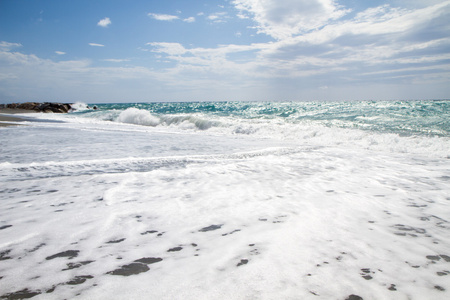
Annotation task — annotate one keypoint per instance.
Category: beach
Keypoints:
(17, 112)
(226, 200)
(5, 116)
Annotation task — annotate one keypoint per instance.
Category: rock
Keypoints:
(69, 254)
(130, 269)
(27, 105)
(52, 107)
(46, 107)
(211, 227)
(354, 297)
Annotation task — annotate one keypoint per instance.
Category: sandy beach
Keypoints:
(227, 200)
(6, 118)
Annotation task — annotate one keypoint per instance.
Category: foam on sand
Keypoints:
(175, 214)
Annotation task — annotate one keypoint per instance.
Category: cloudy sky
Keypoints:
(176, 50)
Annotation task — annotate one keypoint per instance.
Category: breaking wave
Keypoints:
(408, 126)
(138, 116)
(143, 117)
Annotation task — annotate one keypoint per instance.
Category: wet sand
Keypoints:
(4, 119)
(5, 116)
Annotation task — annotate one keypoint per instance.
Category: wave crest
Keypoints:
(189, 122)
(136, 116)
(143, 117)
(79, 106)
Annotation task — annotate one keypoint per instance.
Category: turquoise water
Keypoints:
(406, 118)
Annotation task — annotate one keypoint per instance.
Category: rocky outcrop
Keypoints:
(46, 107)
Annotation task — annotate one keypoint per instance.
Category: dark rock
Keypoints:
(211, 227)
(175, 249)
(11, 105)
(22, 294)
(5, 226)
(4, 255)
(433, 257)
(79, 279)
(27, 105)
(53, 107)
(69, 253)
(52, 289)
(445, 257)
(149, 260)
(116, 241)
(236, 230)
(439, 288)
(48, 107)
(409, 228)
(130, 269)
(71, 266)
(242, 262)
(354, 297)
(392, 287)
(149, 231)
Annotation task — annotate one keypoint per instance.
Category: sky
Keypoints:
(102, 51)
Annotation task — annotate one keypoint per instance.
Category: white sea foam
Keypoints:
(189, 122)
(138, 116)
(79, 106)
(245, 209)
(301, 133)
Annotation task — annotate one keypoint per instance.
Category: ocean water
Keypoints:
(228, 200)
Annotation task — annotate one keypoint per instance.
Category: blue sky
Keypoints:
(164, 50)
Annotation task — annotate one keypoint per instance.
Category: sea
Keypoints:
(227, 200)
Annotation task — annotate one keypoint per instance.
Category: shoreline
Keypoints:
(6, 116)
(8, 110)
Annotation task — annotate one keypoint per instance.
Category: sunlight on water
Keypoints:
(228, 200)
(403, 117)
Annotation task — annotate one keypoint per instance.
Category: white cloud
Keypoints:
(168, 48)
(60, 52)
(96, 45)
(5, 46)
(374, 23)
(189, 20)
(218, 17)
(376, 39)
(104, 22)
(162, 17)
(25, 76)
(380, 13)
(212, 17)
(285, 18)
(116, 60)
